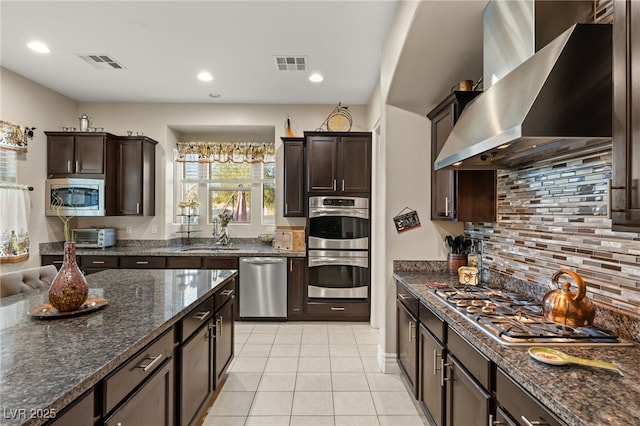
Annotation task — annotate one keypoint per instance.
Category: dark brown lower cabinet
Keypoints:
(518, 406)
(296, 294)
(407, 345)
(468, 403)
(224, 330)
(151, 404)
(195, 373)
(80, 412)
(431, 381)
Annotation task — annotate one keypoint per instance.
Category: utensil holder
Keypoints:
(454, 261)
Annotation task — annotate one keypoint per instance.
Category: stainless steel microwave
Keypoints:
(74, 197)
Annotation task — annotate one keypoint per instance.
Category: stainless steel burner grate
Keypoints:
(512, 319)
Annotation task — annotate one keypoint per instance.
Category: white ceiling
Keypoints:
(164, 44)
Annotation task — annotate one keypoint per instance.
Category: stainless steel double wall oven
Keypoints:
(338, 248)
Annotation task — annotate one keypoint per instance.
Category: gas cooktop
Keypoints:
(512, 319)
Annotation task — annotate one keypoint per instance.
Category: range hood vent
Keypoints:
(556, 103)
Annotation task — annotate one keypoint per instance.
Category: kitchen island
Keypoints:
(46, 364)
(576, 395)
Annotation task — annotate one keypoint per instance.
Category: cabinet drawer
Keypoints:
(220, 263)
(142, 262)
(184, 262)
(520, 404)
(338, 309)
(120, 383)
(433, 323)
(225, 294)
(55, 260)
(407, 299)
(473, 361)
(194, 319)
(104, 262)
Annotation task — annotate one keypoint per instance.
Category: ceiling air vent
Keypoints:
(103, 62)
(291, 63)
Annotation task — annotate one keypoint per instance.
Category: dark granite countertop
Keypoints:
(47, 363)
(233, 250)
(579, 396)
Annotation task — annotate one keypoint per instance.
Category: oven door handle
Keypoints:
(346, 261)
(330, 212)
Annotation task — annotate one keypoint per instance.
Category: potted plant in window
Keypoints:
(68, 289)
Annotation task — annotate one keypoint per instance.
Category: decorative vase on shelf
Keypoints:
(68, 289)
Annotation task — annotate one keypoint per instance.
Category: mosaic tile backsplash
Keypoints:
(554, 216)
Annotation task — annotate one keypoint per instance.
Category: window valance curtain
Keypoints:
(226, 152)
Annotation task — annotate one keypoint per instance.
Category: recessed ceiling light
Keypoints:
(457, 163)
(38, 46)
(205, 76)
(214, 95)
(316, 78)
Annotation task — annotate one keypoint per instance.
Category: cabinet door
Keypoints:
(80, 412)
(443, 182)
(89, 154)
(355, 164)
(322, 162)
(296, 288)
(625, 192)
(224, 341)
(195, 373)
(407, 345)
(294, 185)
(151, 405)
(129, 178)
(431, 384)
(60, 157)
(468, 403)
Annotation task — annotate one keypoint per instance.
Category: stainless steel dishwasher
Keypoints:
(263, 287)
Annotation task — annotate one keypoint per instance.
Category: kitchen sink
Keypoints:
(208, 249)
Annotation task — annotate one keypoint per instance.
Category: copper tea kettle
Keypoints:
(564, 307)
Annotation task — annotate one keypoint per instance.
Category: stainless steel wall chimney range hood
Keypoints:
(554, 104)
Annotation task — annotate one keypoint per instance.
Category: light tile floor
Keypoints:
(308, 374)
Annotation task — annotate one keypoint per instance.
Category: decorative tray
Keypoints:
(47, 311)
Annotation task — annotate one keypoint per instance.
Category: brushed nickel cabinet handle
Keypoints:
(219, 327)
(342, 185)
(146, 367)
(98, 262)
(334, 184)
(528, 422)
(201, 315)
(137, 208)
(77, 166)
(69, 166)
(335, 308)
(142, 262)
(226, 292)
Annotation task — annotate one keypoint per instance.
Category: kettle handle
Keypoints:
(582, 288)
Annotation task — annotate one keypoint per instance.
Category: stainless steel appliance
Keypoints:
(263, 287)
(550, 88)
(338, 248)
(74, 197)
(511, 319)
(338, 274)
(94, 237)
(340, 223)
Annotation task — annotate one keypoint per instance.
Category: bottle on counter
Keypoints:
(472, 257)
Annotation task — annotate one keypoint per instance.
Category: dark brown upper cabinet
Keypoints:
(130, 181)
(76, 154)
(338, 163)
(625, 190)
(294, 177)
(458, 195)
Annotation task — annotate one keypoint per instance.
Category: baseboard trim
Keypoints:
(388, 362)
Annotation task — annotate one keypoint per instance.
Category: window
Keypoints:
(242, 184)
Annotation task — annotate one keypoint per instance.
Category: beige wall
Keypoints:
(26, 103)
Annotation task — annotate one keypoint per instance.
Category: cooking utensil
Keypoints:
(554, 357)
(564, 307)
